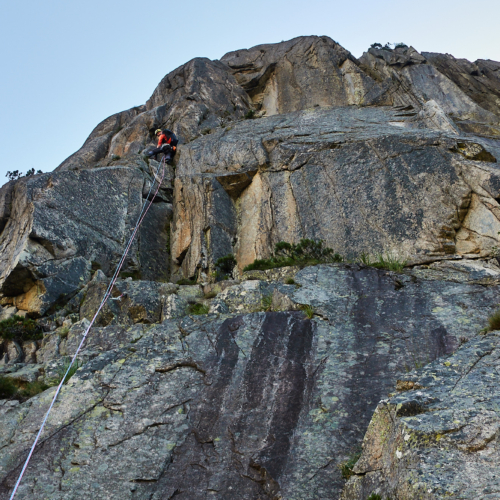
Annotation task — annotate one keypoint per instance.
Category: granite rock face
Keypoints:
(361, 179)
(416, 83)
(249, 405)
(303, 73)
(392, 153)
(480, 80)
(62, 224)
(96, 147)
(266, 396)
(438, 437)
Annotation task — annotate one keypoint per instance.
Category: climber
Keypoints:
(167, 144)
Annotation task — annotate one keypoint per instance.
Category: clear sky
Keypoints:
(67, 65)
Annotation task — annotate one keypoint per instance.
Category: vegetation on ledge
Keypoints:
(20, 329)
(305, 253)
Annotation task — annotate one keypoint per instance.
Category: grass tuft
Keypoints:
(290, 281)
(62, 371)
(387, 261)
(198, 309)
(308, 310)
(266, 303)
(63, 332)
(494, 321)
(187, 281)
(305, 253)
(7, 388)
(33, 388)
(347, 466)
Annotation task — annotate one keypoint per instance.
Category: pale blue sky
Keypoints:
(67, 65)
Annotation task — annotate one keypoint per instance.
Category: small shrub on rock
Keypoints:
(305, 253)
(7, 388)
(20, 329)
(17, 174)
(225, 266)
(494, 321)
(249, 114)
(347, 466)
(198, 309)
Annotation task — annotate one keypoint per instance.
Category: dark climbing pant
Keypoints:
(166, 150)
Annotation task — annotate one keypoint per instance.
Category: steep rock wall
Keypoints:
(363, 180)
(249, 405)
(63, 223)
(303, 73)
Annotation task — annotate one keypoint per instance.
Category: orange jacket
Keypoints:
(163, 140)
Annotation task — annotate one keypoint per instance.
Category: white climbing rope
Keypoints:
(144, 211)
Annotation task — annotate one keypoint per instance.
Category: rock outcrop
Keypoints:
(480, 80)
(333, 123)
(303, 73)
(96, 147)
(198, 381)
(249, 404)
(358, 178)
(437, 438)
(62, 224)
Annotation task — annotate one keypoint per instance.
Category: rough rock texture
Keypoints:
(63, 223)
(303, 73)
(361, 179)
(438, 438)
(413, 173)
(415, 83)
(132, 302)
(263, 398)
(260, 405)
(96, 147)
(480, 80)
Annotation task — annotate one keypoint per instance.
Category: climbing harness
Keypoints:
(147, 204)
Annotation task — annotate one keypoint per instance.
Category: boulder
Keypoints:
(437, 437)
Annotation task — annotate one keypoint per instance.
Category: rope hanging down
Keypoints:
(144, 211)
